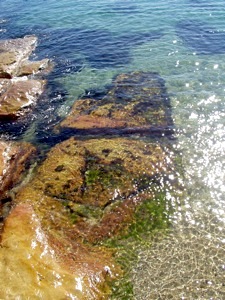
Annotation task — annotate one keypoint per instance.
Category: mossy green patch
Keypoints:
(152, 219)
(107, 175)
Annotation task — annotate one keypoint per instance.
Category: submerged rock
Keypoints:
(17, 90)
(99, 181)
(137, 102)
(201, 37)
(84, 191)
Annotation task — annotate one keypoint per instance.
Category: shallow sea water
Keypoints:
(184, 41)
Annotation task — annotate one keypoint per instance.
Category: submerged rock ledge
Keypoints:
(137, 102)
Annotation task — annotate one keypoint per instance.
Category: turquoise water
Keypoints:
(182, 40)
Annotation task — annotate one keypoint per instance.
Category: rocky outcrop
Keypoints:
(13, 53)
(137, 102)
(15, 158)
(19, 88)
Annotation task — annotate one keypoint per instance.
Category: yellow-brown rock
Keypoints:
(85, 190)
(34, 67)
(34, 266)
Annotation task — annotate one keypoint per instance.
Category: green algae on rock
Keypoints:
(137, 102)
(99, 181)
(84, 191)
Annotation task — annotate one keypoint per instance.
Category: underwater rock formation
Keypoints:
(100, 47)
(136, 102)
(17, 90)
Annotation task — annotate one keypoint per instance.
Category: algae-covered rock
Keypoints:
(35, 265)
(13, 159)
(95, 172)
(137, 101)
(100, 181)
(85, 190)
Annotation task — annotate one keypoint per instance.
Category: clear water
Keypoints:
(182, 40)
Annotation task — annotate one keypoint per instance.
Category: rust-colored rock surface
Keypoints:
(35, 265)
(136, 102)
(13, 159)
